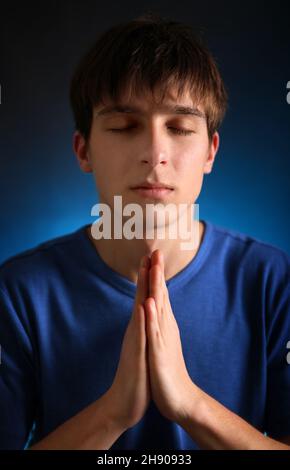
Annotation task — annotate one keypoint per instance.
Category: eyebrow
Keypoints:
(168, 109)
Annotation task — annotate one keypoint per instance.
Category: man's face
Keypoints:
(147, 141)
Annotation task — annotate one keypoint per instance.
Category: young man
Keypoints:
(136, 343)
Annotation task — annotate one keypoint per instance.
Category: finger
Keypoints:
(160, 260)
(142, 283)
(152, 327)
(156, 279)
(162, 270)
(155, 287)
(140, 314)
(140, 292)
(146, 261)
(157, 259)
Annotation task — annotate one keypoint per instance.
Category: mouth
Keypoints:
(153, 192)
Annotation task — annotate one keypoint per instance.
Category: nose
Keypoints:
(155, 152)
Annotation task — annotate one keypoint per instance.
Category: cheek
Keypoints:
(189, 169)
(104, 159)
(190, 164)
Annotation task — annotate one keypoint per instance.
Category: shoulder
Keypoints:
(249, 252)
(29, 266)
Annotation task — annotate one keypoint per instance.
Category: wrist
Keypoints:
(191, 412)
(111, 413)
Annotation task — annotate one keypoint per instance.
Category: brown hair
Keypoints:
(147, 53)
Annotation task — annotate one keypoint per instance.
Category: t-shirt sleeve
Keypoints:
(277, 418)
(17, 377)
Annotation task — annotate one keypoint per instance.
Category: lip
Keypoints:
(149, 185)
(153, 192)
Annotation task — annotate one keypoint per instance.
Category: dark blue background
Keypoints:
(43, 192)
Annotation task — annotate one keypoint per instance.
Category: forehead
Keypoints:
(148, 103)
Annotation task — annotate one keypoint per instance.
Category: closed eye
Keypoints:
(175, 130)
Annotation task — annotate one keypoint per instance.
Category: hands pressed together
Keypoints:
(151, 364)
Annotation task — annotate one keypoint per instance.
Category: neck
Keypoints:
(123, 255)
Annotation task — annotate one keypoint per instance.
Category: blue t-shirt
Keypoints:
(64, 313)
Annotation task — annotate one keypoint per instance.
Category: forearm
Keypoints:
(213, 426)
(92, 428)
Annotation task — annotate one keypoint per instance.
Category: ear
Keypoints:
(213, 148)
(80, 149)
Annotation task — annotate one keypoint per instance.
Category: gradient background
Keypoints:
(43, 192)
